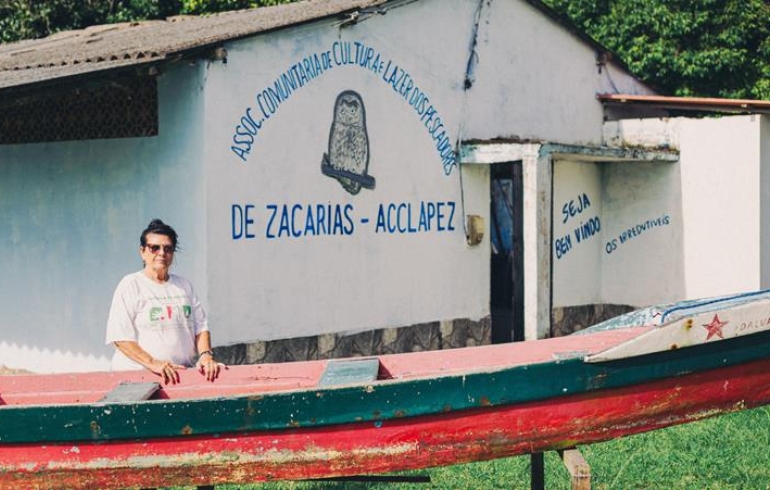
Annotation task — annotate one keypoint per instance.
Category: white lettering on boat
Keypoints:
(759, 324)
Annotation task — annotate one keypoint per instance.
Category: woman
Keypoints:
(156, 321)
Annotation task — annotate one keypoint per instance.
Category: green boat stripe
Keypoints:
(375, 401)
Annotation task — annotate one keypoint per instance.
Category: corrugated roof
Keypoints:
(107, 47)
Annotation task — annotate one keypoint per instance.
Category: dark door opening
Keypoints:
(507, 257)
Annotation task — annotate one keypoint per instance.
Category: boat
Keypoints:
(649, 369)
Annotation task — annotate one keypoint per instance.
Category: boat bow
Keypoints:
(692, 323)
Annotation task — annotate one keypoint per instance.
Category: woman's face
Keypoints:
(158, 253)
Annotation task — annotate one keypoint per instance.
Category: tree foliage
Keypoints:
(716, 48)
(197, 7)
(32, 19)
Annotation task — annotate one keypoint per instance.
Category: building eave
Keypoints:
(629, 102)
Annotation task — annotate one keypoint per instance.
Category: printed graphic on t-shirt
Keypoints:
(169, 312)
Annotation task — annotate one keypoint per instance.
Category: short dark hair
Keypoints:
(158, 227)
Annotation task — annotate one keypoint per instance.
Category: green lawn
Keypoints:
(727, 452)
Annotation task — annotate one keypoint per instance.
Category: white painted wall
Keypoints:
(642, 253)
(724, 176)
(634, 255)
(537, 81)
(577, 233)
(722, 197)
(271, 285)
(70, 218)
(764, 196)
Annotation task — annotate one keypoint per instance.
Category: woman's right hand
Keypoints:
(166, 370)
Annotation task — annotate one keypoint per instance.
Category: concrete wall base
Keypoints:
(449, 334)
(569, 319)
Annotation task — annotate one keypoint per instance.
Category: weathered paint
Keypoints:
(426, 393)
(686, 323)
(387, 445)
(712, 325)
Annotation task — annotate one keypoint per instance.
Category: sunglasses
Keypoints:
(156, 248)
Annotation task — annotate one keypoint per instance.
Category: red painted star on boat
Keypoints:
(715, 327)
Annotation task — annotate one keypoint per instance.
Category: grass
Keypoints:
(727, 452)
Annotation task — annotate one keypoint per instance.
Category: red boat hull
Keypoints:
(390, 445)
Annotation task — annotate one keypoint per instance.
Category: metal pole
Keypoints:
(537, 470)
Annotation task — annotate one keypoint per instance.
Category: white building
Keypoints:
(322, 162)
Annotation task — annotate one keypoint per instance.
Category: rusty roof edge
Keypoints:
(687, 103)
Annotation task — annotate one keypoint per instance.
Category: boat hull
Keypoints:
(381, 446)
(431, 393)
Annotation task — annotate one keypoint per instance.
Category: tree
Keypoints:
(717, 48)
(32, 19)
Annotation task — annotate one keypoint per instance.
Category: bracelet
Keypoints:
(211, 353)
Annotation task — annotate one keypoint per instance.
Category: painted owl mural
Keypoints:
(347, 159)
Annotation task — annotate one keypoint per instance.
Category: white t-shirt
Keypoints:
(163, 319)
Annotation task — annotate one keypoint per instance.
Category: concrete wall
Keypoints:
(642, 251)
(578, 244)
(535, 80)
(274, 276)
(764, 196)
(617, 233)
(393, 253)
(722, 199)
(70, 218)
(724, 193)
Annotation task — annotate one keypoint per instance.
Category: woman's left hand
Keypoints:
(209, 367)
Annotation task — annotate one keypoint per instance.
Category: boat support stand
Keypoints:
(578, 468)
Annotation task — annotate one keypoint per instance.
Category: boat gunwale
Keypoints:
(555, 353)
(364, 402)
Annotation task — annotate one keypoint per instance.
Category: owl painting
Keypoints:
(348, 156)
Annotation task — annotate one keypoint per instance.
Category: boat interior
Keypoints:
(263, 379)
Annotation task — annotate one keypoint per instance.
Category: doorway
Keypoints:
(507, 257)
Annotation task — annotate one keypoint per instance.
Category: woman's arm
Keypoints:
(167, 370)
